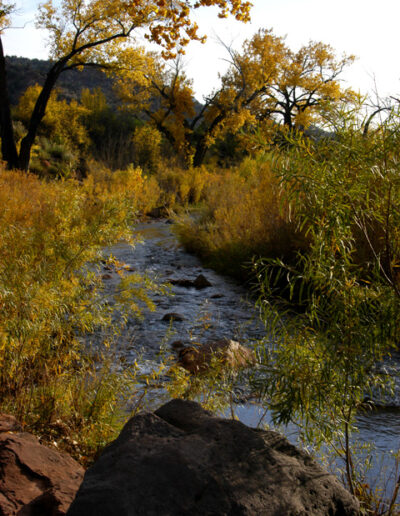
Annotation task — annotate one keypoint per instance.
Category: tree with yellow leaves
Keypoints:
(266, 81)
(63, 121)
(308, 80)
(166, 95)
(94, 32)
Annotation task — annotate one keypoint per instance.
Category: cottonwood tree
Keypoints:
(167, 97)
(94, 32)
(265, 81)
(308, 80)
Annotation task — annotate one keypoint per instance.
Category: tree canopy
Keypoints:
(265, 81)
(94, 32)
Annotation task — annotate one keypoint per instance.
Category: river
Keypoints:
(221, 310)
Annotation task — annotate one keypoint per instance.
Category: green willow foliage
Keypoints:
(344, 192)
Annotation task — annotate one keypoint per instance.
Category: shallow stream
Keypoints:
(220, 310)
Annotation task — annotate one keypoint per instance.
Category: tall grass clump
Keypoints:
(244, 215)
(52, 236)
(181, 187)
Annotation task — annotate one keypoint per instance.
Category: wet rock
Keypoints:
(173, 317)
(217, 296)
(227, 352)
(106, 276)
(181, 460)
(8, 423)
(201, 282)
(35, 480)
(178, 344)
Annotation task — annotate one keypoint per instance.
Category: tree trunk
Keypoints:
(37, 116)
(200, 154)
(287, 118)
(8, 147)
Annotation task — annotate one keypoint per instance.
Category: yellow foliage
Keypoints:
(52, 236)
(63, 120)
(147, 141)
(168, 87)
(182, 186)
(95, 31)
(244, 215)
(93, 101)
(5, 11)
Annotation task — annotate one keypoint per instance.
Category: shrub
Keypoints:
(318, 366)
(52, 236)
(244, 215)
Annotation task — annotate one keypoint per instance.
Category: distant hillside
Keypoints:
(24, 72)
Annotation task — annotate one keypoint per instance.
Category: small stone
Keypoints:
(229, 353)
(177, 344)
(201, 282)
(217, 296)
(106, 276)
(173, 317)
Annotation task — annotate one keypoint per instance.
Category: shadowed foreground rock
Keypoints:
(34, 480)
(181, 460)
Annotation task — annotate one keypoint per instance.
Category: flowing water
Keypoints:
(220, 310)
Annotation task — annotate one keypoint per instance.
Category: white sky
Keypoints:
(365, 28)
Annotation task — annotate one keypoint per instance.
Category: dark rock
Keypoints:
(217, 296)
(181, 460)
(227, 352)
(173, 317)
(35, 480)
(178, 344)
(201, 282)
(106, 276)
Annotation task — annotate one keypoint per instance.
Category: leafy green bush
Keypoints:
(345, 194)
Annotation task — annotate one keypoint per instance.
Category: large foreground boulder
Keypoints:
(34, 480)
(181, 460)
